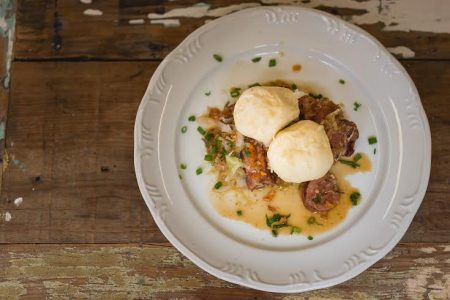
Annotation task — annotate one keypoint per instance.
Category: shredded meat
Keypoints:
(254, 157)
(342, 138)
(322, 194)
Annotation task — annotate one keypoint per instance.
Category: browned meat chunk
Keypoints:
(316, 110)
(227, 115)
(342, 135)
(254, 158)
(322, 194)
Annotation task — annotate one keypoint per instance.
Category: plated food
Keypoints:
(318, 50)
(280, 156)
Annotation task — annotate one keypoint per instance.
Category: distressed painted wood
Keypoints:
(70, 141)
(7, 22)
(69, 154)
(50, 29)
(410, 271)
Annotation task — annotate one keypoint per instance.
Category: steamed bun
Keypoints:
(300, 152)
(262, 111)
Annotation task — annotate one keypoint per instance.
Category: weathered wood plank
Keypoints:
(49, 29)
(70, 141)
(7, 25)
(410, 271)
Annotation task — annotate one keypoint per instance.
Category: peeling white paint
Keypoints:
(426, 261)
(418, 284)
(136, 21)
(201, 10)
(93, 12)
(167, 22)
(222, 11)
(195, 11)
(402, 51)
(428, 250)
(18, 201)
(416, 15)
(7, 27)
(8, 216)
(86, 1)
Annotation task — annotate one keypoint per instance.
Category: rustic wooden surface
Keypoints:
(83, 229)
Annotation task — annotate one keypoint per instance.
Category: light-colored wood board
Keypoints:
(410, 271)
(70, 141)
(49, 29)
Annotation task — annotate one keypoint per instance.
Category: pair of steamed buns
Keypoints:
(298, 153)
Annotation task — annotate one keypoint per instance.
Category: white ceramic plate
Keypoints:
(328, 49)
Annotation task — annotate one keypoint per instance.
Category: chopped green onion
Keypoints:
(254, 84)
(209, 136)
(274, 233)
(341, 81)
(281, 225)
(317, 199)
(294, 87)
(375, 151)
(199, 171)
(201, 130)
(354, 197)
(208, 157)
(310, 237)
(295, 230)
(372, 140)
(272, 62)
(191, 118)
(218, 57)
(357, 157)
(183, 166)
(239, 212)
(316, 96)
(183, 129)
(273, 219)
(235, 92)
(224, 153)
(214, 149)
(350, 163)
(256, 59)
(356, 105)
(179, 176)
(208, 93)
(312, 220)
(218, 185)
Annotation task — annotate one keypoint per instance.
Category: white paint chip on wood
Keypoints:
(395, 15)
(18, 201)
(86, 1)
(428, 250)
(167, 22)
(136, 21)
(8, 216)
(93, 12)
(201, 10)
(402, 51)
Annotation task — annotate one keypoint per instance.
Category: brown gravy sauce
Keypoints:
(286, 199)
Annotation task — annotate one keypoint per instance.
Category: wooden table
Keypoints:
(71, 87)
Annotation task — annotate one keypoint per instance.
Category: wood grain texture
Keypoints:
(410, 271)
(49, 29)
(7, 20)
(70, 139)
